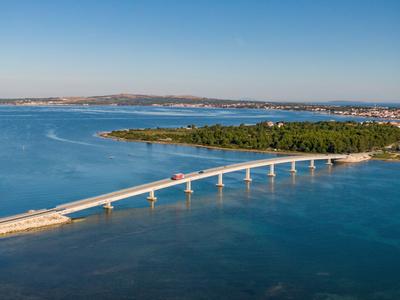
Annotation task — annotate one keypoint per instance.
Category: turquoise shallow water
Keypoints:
(331, 234)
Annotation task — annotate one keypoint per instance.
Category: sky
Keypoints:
(282, 50)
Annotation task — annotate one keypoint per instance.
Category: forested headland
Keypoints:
(317, 137)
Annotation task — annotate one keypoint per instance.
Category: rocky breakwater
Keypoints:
(32, 222)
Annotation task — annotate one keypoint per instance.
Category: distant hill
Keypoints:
(346, 109)
(129, 99)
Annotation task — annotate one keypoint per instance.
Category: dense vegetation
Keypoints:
(387, 155)
(321, 137)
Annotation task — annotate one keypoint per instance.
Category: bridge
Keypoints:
(106, 200)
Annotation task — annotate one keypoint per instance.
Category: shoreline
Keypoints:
(378, 118)
(388, 159)
(105, 135)
(385, 159)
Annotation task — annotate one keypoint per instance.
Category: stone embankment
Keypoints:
(33, 223)
(355, 157)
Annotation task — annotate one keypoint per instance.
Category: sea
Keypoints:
(325, 235)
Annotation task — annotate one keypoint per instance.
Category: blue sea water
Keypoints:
(330, 234)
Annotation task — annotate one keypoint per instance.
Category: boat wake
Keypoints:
(51, 134)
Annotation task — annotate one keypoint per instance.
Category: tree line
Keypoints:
(320, 137)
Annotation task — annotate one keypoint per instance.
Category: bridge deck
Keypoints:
(164, 183)
(75, 206)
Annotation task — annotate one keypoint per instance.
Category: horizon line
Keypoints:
(188, 96)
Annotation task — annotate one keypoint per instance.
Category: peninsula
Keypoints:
(319, 137)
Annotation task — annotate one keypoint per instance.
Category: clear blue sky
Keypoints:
(269, 50)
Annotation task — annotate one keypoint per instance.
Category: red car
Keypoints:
(178, 176)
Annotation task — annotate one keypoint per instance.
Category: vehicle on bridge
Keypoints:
(178, 176)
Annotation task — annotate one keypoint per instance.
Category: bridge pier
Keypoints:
(329, 162)
(188, 187)
(247, 178)
(108, 206)
(220, 183)
(312, 164)
(293, 167)
(271, 170)
(151, 197)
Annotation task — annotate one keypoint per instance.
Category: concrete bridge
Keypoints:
(106, 200)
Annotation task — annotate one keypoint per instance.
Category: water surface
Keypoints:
(331, 234)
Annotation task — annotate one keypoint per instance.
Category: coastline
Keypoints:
(105, 135)
(320, 112)
(385, 159)
(388, 159)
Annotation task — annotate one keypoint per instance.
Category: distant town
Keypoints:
(370, 111)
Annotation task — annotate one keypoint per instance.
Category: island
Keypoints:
(304, 137)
